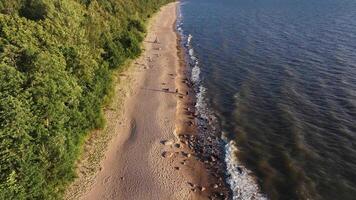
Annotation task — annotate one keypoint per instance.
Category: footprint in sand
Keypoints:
(106, 179)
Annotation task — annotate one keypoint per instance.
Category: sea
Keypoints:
(278, 80)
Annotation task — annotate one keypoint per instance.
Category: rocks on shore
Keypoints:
(196, 187)
(167, 154)
(167, 142)
(209, 151)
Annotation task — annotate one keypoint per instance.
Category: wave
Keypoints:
(241, 181)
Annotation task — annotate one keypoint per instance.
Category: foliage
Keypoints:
(56, 62)
(34, 10)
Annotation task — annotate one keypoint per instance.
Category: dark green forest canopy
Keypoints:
(57, 58)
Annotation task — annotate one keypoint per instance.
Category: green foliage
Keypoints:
(34, 10)
(136, 24)
(9, 7)
(56, 63)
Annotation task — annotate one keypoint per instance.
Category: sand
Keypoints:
(144, 159)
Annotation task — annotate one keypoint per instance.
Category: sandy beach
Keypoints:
(146, 159)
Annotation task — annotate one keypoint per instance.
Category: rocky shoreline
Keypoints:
(199, 137)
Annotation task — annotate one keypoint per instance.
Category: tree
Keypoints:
(34, 10)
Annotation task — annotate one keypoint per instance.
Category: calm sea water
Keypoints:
(280, 77)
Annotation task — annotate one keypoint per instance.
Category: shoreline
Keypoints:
(148, 156)
(207, 147)
(211, 145)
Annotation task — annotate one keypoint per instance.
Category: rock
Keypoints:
(239, 169)
(213, 158)
(177, 145)
(215, 186)
(167, 142)
(202, 189)
(176, 168)
(185, 154)
(166, 154)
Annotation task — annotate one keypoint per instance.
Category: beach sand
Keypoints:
(145, 159)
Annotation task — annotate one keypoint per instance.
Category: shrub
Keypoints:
(55, 73)
(136, 24)
(34, 10)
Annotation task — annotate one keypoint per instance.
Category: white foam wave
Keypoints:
(189, 39)
(201, 103)
(191, 53)
(196, 74)
(241, 180)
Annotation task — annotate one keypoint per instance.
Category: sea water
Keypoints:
(278, 79)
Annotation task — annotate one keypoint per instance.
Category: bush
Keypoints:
(34, 10)
(56, 65)
(136, 24)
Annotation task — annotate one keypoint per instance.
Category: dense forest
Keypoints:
(57, 59)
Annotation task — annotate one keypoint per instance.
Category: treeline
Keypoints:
(56, 63)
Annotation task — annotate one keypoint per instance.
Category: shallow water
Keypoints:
(280, 77)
